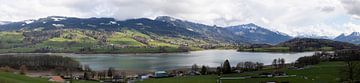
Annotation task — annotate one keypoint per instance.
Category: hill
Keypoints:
(301, 44)
(309, 43)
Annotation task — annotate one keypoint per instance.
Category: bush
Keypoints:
(6, 69)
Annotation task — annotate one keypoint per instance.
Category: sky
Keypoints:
(293, 17)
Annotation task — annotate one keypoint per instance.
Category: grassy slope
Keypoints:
(10, 39)
(326, 72)
(119, 38)
(62, 44)
(122, 38)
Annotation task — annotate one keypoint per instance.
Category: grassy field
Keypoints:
(6, 77)
(119, 38)
(325, 72)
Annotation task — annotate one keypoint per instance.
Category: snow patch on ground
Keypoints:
(112, 22)
(29, 21)
(189, 29)
(58, 25)
(58, 19)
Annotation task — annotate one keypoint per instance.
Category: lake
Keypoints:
(166, 61)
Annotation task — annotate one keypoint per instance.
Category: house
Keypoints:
(160, 74)
(194, 73)
(118, 79)
(56, 79)
(266, 74)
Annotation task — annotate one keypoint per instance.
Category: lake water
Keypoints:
(165, 61)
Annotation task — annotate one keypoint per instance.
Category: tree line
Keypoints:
(39, 62)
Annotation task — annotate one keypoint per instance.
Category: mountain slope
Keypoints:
(101, 35)
(71, 34)
(143, 25)
(212, 32)
(257, 34)
(352, 38)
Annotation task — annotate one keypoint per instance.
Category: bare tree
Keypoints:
(23, 69)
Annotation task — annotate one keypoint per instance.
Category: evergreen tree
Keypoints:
(111, 72)
(226, 67)
(204, 70)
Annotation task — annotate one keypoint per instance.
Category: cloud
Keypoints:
(352, 7)
(289, 16)
(328, 9)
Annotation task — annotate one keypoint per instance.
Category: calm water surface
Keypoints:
(164, 61)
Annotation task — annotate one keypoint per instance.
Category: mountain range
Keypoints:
(351, 38)
(69, 33)
(257, 34)
(162, 25)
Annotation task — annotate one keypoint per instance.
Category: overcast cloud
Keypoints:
(294, 17)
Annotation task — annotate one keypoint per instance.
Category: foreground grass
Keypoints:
(325, 72)
(6, 77)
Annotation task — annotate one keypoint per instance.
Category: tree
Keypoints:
(249, 66)
(39, 63)
(102, 75)
(219, 70)
(86, 75)
(274, 63)
(162, 49)
(282, 62)
(87, 68)
(111, 72)
(204, 70)
(226, 67)
(259, 66)
(195, 67)
(23, 69)
(307, 60)
(240, 66)
(351, 71)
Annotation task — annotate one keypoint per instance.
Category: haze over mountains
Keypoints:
(166, 26)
